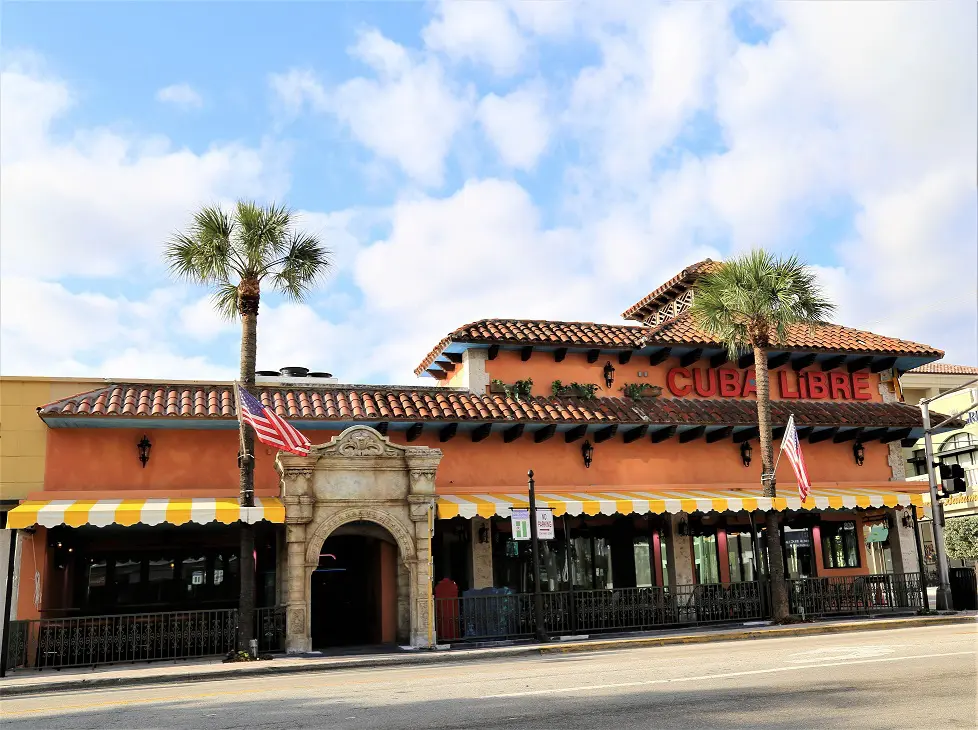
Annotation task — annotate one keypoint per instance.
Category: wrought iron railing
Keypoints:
(136, 637)
(854, 595)
(510, 615)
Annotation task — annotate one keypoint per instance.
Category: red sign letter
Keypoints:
(860, 386)
(673, 386)
(784, 386)
(750, 383)
(818, 385)
(709, 387)
(840, 385)
(729, 382)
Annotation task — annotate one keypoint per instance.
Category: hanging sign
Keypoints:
(545, 524)
(521, 524)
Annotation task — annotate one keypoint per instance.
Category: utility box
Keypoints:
(964, 589)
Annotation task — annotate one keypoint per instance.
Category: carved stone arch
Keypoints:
(319, 534)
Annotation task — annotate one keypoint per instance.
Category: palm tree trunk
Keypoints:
(248, 298)
(779, 589)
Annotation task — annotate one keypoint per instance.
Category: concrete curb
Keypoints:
(263, 669)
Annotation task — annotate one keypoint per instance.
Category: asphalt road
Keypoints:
(908, 678)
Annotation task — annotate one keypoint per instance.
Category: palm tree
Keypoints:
(749, 303)
(235, 252)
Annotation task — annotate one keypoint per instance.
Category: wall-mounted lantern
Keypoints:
(144, 446)
(858, 453)
(907, 518)
(484, 533)
(587, 451)
(746, 452)
(609, 374)
(683, 527)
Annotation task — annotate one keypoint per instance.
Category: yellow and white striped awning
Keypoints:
(715, 500)
(103, 512)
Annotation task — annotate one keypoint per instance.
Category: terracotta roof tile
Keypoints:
(682, 280)
(943, 368)
(368, 403)
(827, 337)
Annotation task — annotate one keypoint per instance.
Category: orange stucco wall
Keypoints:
(508, 367)
(198, 463)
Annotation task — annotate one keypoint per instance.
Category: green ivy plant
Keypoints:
(517, 391)
(961, 538)
(579, 390)
(640, 390)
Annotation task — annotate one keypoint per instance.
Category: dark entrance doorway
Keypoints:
(354, 590)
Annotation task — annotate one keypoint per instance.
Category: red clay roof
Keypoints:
(385, 403)
(826, 337)
(682, 280)
(678, 331)
(943, 368)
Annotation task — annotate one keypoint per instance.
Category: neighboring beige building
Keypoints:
(953, 447)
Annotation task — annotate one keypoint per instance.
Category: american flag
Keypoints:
(792, 449)
(269, 427)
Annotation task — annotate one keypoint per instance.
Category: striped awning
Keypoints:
(103, 512)
(625, 503)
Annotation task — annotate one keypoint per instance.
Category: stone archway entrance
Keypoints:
(357, 483)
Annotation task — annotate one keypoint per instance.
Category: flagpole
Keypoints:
(791, 422)
(246, 499)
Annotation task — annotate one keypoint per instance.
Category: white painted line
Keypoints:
(772, 670)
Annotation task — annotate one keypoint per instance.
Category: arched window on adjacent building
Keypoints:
(961, 448)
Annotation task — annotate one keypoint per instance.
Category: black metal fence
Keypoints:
(855, 595)
(511, 615)
(136, 637)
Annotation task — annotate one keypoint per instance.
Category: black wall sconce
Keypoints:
(484, 533)
(609, 374)
(144, 446)
(907, 518)
(746, 452)
(858, 453)
(587, 451)
(683, 527)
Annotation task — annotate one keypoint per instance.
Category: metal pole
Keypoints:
(570, 571)
(538, 623)
(921, 565)
(944, 602)
(9, 592)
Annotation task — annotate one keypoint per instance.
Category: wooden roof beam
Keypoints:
(859, 363)
(493, 351)
(593, 355)
(849, 434)
(455, 357)
(438, 373)
(576, 433)
(831, 363)
(881, 364)
(526, 352)
(690, 357)
(750, 433)
(624, 356)
(634, 434)
(776, 361)
(897, 434)
(512, 433)
(541, 435)
(719, 434)
(824, 435)
(799, 362)
(659, 435)
(414, 430)
(719, 359)
(746, 360)
(659, 356)
(481, 432)
(382, 427)
(605, 433)
(448, 432)
(692, 434)
(559, 354)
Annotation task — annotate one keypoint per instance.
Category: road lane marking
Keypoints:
(725, 675)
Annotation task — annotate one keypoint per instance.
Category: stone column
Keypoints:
(297, 627)
(903, 545)
(680, 554)
(481, 554)
(476, 377)
(421, 509)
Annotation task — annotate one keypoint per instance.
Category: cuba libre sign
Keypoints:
(731, 383)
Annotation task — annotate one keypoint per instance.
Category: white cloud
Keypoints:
(98, 203)
(296, 90)
(183, 96)
(482, 32)
(517, 124)
(202, 322)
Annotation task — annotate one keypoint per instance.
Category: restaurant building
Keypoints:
(396, 527)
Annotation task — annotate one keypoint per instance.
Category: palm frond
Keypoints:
(758, 297)
(264, 233)
(225, 300)
(305, 261)
(203, 254)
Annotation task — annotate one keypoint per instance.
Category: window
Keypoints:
(840, 547)
(799, 558)
(740, 555)
(642, 551)
(706, 559)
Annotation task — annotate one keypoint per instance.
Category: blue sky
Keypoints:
(467, 160)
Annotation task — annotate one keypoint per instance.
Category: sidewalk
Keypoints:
(25, 682)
